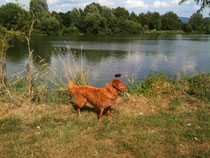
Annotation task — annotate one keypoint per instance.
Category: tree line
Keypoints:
(95, 19)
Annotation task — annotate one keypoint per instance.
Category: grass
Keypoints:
(158, 117)
(165, 32)
(57, 132)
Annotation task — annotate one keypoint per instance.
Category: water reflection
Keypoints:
(131, 56)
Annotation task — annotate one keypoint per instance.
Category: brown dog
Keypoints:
(101, 98)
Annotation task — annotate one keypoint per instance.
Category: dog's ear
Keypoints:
(115, 83)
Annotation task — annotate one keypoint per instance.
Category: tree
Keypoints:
(151, 20)
(49, 26)
(206, 23)
(203, 4)
(156, 22)
(121, 12)
(208, 29)
(38, 8)
(107, 13)
(92, 8)
(170, 21)
(187, 27)
(66, 19)
(196, 20)
(131, 28)
(94, 23)
(57, 16)
(144, 19)
(75, 17)
(9, 15)
(133, 17)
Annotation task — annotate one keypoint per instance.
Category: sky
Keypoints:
(137, 6)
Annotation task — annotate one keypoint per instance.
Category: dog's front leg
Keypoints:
(100, 113)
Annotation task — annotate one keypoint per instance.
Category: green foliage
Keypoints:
(170, 21)
(121, 12)
(208, 29)
(71, 31)
(130, 27)
(199, 24)
(153, 84)
(9, 15)
(133, 17)
(187, 27)
(49, 25)
(96, 20)
(152, 20)
(38, 8)
(92, 8)
(56, 97)
(58, 16)
(94, 23)
(75, 17)
(144, 19)
(3, 31)
(160, 83)
(108, 15)
(196, 20)
(156, 22)
(66, 18)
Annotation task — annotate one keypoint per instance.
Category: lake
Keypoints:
(134, 56)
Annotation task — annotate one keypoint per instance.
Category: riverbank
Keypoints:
(164, 32)
(158, 116)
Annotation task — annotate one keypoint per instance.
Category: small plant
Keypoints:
(152, 85)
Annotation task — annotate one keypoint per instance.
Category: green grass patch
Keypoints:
(199, 86)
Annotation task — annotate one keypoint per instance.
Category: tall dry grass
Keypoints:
(48, 84)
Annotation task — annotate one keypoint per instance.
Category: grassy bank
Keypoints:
(157, 117)
(164, 32)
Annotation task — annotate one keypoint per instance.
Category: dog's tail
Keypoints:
(71, 87)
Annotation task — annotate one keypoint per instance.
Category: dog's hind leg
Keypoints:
(78, 111)
(81, 101)
(108, 111)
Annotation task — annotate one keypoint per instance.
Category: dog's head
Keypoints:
(117, 84)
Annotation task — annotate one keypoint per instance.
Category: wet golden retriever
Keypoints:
(101, 98)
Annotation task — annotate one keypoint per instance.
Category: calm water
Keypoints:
(131, 56)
